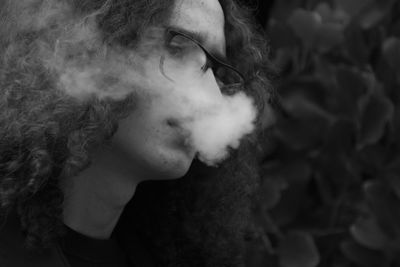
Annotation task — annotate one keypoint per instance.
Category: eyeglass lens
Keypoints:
(185, 57)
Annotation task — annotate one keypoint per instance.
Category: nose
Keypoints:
(211, 83)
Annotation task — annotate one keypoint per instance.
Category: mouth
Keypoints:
(174, 123)
(185, 136)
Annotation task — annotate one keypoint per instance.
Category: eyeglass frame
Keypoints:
(171, 33)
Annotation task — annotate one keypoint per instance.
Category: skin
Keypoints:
(145, 147)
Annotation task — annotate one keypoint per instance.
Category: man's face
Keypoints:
(152, 145)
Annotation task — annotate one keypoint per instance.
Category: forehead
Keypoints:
(201, 16)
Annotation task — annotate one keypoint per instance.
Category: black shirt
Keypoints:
(84, 251)
(72, 250)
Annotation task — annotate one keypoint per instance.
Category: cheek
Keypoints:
(137, 133)
(146, 146)
(144, 140)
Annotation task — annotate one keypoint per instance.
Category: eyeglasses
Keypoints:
(186, 56)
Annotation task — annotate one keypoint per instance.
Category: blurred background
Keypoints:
(330, 190)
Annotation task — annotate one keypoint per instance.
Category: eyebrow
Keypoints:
(201, 38)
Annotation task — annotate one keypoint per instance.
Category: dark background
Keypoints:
(330, 190)
(261, 9)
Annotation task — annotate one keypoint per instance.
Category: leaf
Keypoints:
(329, 27)
(351, 86)
(340, 137)
(329, 35)
(256, 255)
(396, 125)
(385, 206)
(351, 83)
(308, 123)
(362, 256)
(367, 233)
(370, 18)
(284, 8)
(305, 24)
(301, 106)
(298, 172)
(281, 35)
(352, 7)
(376, 111)
(310, 86)
(357, 45)
(324, 10)
(279, 178)
(337, 16)
(270, 191)
(372, 158)
(393, 175)
(391, 52)
(299, 134)
(285, 59)
(293, 200)
(297, 249)
(374, 12)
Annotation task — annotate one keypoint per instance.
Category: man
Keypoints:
(69, 168)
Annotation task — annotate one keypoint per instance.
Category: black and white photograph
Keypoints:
(199, 133)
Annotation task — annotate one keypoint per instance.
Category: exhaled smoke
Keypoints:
(73, 49)
(225, 125)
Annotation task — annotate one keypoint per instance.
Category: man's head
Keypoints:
(49, 135)
(157, 140)
(172, 62)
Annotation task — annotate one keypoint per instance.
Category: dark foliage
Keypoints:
(330, 193)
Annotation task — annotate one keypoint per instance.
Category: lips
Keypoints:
(176, 124)
(184, 139)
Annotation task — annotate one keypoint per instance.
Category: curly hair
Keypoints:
(46, 136)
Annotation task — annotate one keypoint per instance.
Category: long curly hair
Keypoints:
(47, 136)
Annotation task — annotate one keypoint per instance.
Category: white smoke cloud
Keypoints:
(86, 67)
(214, 132)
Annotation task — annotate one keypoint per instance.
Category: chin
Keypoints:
(154, 158)
(174, 167)
(166, 164)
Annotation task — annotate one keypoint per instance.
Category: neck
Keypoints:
(96, 197)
